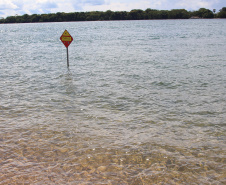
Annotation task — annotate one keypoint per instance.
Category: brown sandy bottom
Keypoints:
(41, 156)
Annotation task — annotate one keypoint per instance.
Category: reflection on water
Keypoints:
(67, 82)
(132, 109)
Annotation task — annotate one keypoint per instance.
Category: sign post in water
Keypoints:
(66, 38)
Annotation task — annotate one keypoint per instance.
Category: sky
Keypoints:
(21, 7)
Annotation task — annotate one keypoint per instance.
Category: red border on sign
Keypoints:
(66, 43)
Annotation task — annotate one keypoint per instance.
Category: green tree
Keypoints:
(151, 14)
(119, 15)
(136, 14)
(44, 18)
(93, 16)
(68, 17)
(163, 14)
(81, 16)
(178, 14)
(222, 13)
(25, 18)
(156, 14)
(10, 19)
(2, 20)
(107, 15)
(204, 13)
(59, 16)
(35, 18)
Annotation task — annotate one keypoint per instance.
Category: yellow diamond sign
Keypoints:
(66, 38)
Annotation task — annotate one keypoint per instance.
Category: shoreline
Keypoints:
(115, 20)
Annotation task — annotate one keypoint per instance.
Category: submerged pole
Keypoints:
(66, 38)
(67, 58)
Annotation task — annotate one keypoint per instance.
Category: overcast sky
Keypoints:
(20, 7)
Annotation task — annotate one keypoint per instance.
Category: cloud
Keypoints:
(119, 5)
(82, 4)
(94, 2)
(6, 4)
(39, 5)
(194, 4)
(13, 7)
(48, 5)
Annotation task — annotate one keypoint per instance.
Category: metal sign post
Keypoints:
(67, 58)
(66, 38)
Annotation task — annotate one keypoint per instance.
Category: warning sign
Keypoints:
(66, 38)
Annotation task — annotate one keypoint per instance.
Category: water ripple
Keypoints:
(142, 103)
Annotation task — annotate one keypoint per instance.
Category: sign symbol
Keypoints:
(66, 38)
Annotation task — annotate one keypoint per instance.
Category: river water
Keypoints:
(143, 102)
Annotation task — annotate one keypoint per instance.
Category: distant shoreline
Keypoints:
(135, 14)
(116, 20)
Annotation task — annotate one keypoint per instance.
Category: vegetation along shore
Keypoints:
(135, 14)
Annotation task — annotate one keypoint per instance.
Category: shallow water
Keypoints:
(143, 103)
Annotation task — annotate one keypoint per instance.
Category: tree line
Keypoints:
(136, 14)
